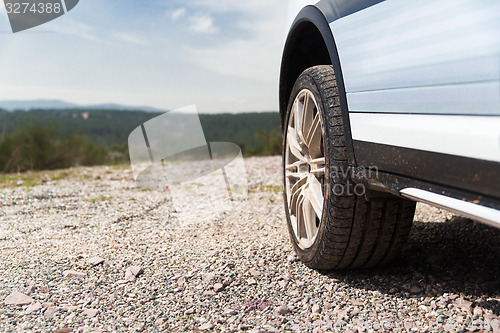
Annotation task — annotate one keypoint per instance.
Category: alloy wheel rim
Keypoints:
(305, 168)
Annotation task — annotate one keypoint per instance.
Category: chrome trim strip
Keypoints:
(482, 214)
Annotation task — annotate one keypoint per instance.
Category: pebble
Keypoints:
(91, 313)
(218, 287)
(207, 326)
(133, 272)
(69, 274)
(50, 312)
(230, 312)
(34, 307)
(95, 261)
(208, 277)
(316, 309)
(414, 289)
(64, 330)
(283, 310)
(17, 299)
(251, 282)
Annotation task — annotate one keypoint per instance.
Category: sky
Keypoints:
(222, 55)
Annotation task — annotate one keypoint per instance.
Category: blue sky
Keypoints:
(221, 55)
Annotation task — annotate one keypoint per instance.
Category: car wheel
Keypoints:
(331, 224)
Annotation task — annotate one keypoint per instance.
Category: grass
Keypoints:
(34, 178)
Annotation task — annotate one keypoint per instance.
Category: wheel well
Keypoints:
(305, 48)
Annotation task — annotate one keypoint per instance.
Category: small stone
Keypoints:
(189, 312)
(50, 312)
(133, 272)
(34, 307)
(291, 259)
(230, 312)
(254, 272)
(463, 304)
(63, 330)
(32, 286)
(355, 302)
(91, 313)
(121, 282)
(478, 311)
(282, 283)
(416, 289)
(176, 277)
(17, 299)
(251, 282)
(207, 326)
(209, 293)
(316, 309)
(218, 287)
(283, 310)
(48, 305)
(181, 281)
(70, 274)
(208, 277)
(95, 261)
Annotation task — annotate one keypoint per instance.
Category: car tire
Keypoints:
(331, 223)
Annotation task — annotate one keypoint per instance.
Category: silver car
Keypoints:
(385, 103)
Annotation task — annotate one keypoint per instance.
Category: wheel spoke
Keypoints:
(309, 218)
(316, 196)
(296, 192)
(294, 145)
(314, 138)
(295, 175)
(307, 117)
(299, 119)
(304, 164)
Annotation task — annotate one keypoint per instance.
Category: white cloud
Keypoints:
(256, 55)
(75, 28)
(178, 13)
(130, 38)
(202, 24)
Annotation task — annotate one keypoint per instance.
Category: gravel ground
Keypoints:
(85, 250)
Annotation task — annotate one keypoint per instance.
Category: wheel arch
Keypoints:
(310, 42)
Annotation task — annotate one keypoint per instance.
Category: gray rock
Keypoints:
(34, 307)
(95, 261)
(208, 277)
(17, 299)
(415, 289)
(70, 274)
(316, 309)
(251, 282)
(218, 287)
(283, 310)
(207, 326)
(478, 311)
(50, 312)
(254, 272)
(230, 312)
(463, 304)
(91, 313)
(133, 272)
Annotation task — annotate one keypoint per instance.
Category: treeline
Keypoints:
(53, 139)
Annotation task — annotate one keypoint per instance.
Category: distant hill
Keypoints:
(109, 127)
(55, 104)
